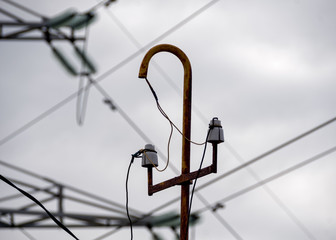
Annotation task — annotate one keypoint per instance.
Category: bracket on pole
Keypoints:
(186, 176)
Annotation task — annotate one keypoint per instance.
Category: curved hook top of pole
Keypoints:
(165, 48)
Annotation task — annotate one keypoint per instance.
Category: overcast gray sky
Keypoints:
(266, 69)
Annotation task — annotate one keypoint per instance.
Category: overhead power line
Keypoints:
(202, 117)
(242, 166)
(76, 190)
(275, 197)
(272, 178)
(106, 74)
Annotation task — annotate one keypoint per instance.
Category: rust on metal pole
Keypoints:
(186, 123)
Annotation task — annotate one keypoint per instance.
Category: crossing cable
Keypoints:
(221, 220)
(8, 14)
(84, 193)
(236, 194)
(165, 76)
(37, 202)
(106, 74)
(229, 147)
(242, 166)
(28, 10)
(178, 91)
(128, 119)
(201, 116)
(24, 232)
(274, 196)
(271, 178)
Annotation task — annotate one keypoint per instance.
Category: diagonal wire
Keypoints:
(236, 155)
(168, 79)
(129, 120)
(242, 166)
(239, 193)
(23, 8)
(273, 177)
(230, 148)
(233, 232)
(275, 197)
(81, 192)
(104, 75)
(205, 202)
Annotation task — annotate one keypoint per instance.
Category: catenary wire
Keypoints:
(232, 196)
(137, 44)
(24, 232)
(28, 10)
(129, 120)
(272, 178)
(106, 74)
(60, 224)
(242, 166)
(87, 194)
(201, 116)
(274, 196)
(27, 234)
(178, 91)
(8, 14)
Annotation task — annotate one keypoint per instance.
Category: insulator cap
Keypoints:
(149, 156)
(216, 134)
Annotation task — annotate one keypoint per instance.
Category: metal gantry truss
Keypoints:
(22, 30)
(60, 197)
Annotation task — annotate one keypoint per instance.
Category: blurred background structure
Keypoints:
(73, 110)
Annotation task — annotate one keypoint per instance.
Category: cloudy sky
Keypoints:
(266, 69)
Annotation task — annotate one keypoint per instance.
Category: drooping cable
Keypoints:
(201, 116)
(135, 155)
(166, 116)
(61, 225)
(250, 162)
(128, 216)
(76, 190)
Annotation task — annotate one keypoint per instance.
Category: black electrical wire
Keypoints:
(137, 44)
(242, 166)
(135, 155)
(78, 191)
(201, 116)
(128, 215)
(39, 204)
(198, 172)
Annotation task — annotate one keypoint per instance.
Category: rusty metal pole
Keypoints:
(186, 123)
